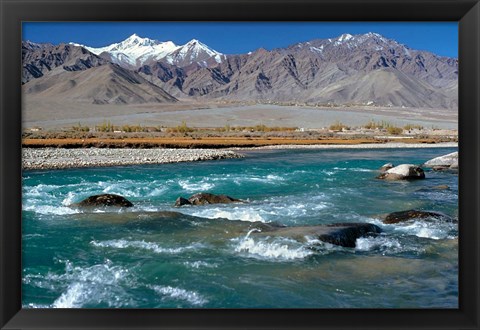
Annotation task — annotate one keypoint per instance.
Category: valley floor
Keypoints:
(58, 114)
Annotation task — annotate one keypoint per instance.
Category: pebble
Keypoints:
(60, 158)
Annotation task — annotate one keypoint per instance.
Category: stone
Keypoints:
(441, 187)
(182, 201)
(403, 172)
(206, 198)
(386, 167)
(342, 234)
(443, 162)
(105, 200)
(403, 216)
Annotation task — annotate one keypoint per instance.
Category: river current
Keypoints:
(155, 255)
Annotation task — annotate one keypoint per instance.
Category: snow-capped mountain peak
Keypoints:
(197, 48)
(136, 51)
(194, 51)
(193, 42)
(348, 43)
(345, 37)
(135, 41)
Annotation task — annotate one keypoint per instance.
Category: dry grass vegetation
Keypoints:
(108, 135)
(338, 126)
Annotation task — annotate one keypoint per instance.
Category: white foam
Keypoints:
(157, 192)
(33, 235)
(353, 169)
(89, 284)
(199, 264)
(387, 245)
(39, 190)
(72, 298)
(192, 186)
(170, 292)
(319, 206)
(122, 189)
(361, 170)
(236, 213)
(279, 249)
(124, 244)
(40, 281)
(147, 208)
(100, 273)
(272, 177)
(426, 230)
(133, 188)
(48, 209)
(268, 179)
(69, 199)
(282, 209)
(33, 306)
(329, 173)
(375, 243)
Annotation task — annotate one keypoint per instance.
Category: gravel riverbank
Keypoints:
(59, 158)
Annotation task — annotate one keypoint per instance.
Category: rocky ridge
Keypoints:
(366, 69)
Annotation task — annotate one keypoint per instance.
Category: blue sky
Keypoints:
(241, 37)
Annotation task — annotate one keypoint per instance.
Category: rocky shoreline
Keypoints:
(60, 158)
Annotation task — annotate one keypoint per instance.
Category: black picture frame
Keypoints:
(14, 12)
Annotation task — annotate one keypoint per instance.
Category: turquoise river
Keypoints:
(157, 256)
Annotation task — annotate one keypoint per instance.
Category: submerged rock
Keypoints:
(403, 216)
(445, 162)
(441, 187)
(206, 198)
(105, 200)
(343, 234)
(430, 189)
(403, 172)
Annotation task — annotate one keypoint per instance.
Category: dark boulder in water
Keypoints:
(343, 234)
(182, 201)
(403, 216)
(206, 198)
(105, 200)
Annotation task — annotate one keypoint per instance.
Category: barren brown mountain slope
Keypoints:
(39, 59)
(106, 84)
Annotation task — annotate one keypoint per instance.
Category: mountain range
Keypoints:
(364, 69)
